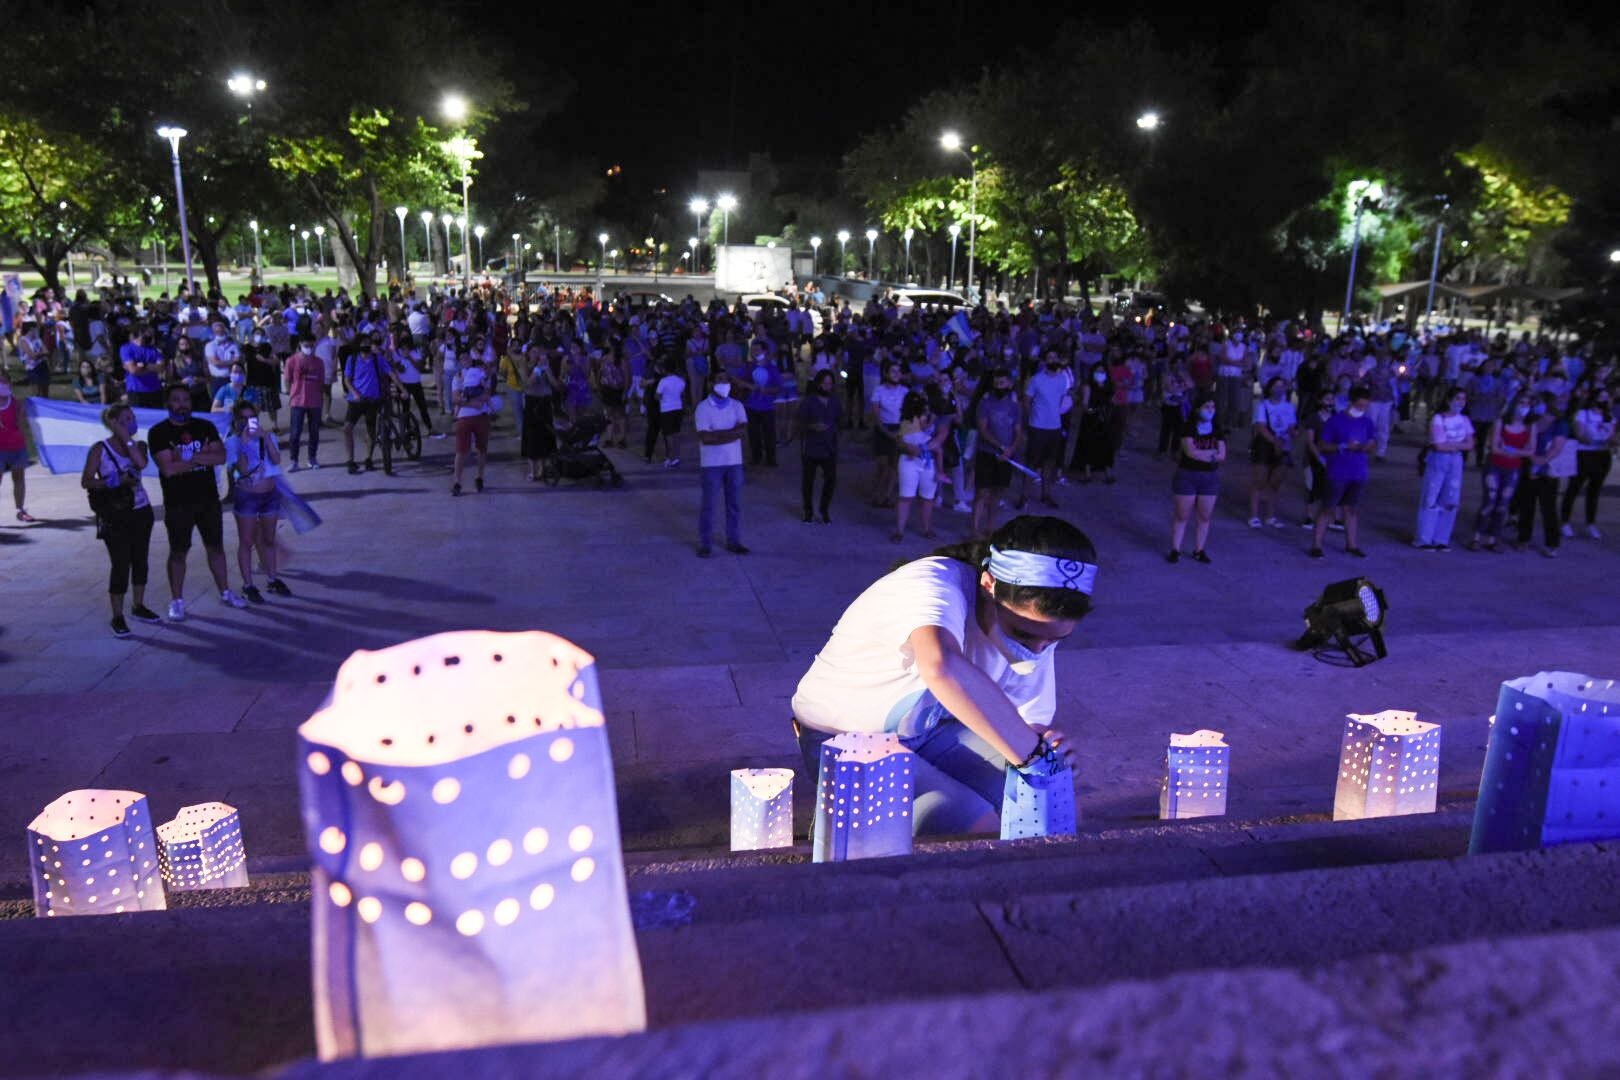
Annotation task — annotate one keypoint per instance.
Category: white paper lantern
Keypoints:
(202, 849)
(469, 888)
(1389, 764)
(92, 852)
(1038, 801)
(863, 798)
(1552, 764)
(1197, 768)
(761, 809)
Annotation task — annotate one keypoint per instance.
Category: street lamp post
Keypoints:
(952, 141)
(517, 253)
(245, 86)
(1036, 262)
(601, 241)
(955, 230)
(478, 231)
(174, 135)
(1367, 194)
(699, 207)
(402, 212)
(871, 254)
(320, 252)
(304, 235)
(292, 248)
(444, 220)
(556, 240)
(455, 109)
(1434, 264)
(909, 233)
(426, 217)
(693, 244)
(466, 256)
(843, 257)
(815, 252)
(727, 203)
(258, 261)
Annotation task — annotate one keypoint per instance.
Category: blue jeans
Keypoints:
(1442, 494)
(715, 478)
(301, 417)
(961, 779)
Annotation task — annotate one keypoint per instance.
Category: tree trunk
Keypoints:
(47, 263)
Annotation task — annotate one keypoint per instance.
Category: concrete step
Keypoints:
(238, 973)
(1529, 1006)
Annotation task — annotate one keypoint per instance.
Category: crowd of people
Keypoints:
(967, 411)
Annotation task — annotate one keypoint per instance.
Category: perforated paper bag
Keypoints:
(1196, 775)
(761, 809)
(863, 798)
(92, 852)
(1038, 801)
(202, 849)
(468, 890)
(1389, 764)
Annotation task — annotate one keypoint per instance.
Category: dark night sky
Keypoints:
(667, 89)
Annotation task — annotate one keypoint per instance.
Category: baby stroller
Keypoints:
(578, 456)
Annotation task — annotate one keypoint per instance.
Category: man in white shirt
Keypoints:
(220, 354)
(721, 424)
(1048, 399)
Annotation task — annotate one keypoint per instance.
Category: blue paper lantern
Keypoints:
(202, 849)
(93, 852)
(761, 809)
(863, 799)
(1038, 801)
(1389, 765)
(1196, 776)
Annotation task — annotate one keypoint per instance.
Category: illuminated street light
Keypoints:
(304, 234)
(871, 253)
(1614, 256)
(601, 241)
(258, 263)
(1367, 194)
(517, 252)
(445, 221)
(843, 244)
(699, 206)
(244, 85)
(174, 135)
(454, 107)
(815, 250)
(727, 203)
(1148, 121)
(955, 230)
(402, 212)
(320, 252)
(908, 234)
(427, 236)
(952, 142)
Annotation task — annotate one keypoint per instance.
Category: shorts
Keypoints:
(470, 430)
(1045, 447)
(991, 472)
(256, 504)
(207, 518)
(669, 423)
(884, 446)
(1342, 493)
(918, 479)
(14, 459)
(1196, 482)
(366, 409)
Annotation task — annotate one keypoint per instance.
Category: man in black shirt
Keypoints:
(186, 451)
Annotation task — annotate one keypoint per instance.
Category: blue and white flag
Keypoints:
(64, 431)
(958, 324)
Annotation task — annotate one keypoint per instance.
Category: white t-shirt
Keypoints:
(1047, 389)
(888, 400)
(865, 678)
(1279, 416)
(471, 382)
(1445, 428)
(670, 389)
(712, 415)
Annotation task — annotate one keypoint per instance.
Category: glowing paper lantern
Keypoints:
(1552, 764)
(863, 800)
(1197, 768)
(761, 809)
(1389, 764)
(1038, 801)
(202, 849)
(93, 853)
(468, 888)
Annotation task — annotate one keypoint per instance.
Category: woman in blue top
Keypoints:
(254, 461)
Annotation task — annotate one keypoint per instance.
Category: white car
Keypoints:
(756, 303)
(929, 298)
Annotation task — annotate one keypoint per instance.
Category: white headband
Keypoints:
(1013, 567)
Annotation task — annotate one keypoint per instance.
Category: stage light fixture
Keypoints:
(1347, 617)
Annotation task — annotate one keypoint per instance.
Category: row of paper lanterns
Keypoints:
(468, 882)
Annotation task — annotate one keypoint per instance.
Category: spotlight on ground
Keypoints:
(1347, 617)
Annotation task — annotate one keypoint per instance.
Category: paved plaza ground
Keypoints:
(699, 657)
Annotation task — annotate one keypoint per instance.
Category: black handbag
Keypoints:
(106, 502)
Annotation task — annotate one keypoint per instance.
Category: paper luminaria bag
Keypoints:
(1552, 764)
(469, 889)
(863, 798)
(202, 849)
(761, 809)
(1038, 801)
(1389, 764)
(1196, 776)
(92, 852)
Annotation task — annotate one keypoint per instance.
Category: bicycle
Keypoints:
(398, 429)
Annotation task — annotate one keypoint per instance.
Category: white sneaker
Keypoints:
(177, 611)
(1569, 533)
(1277, 523)
(314, 465)
(1594, 532)
(1255, 523)
(232, 599)
(1062, 481)
(962, 508)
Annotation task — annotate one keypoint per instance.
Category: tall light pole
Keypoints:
(444, 220)
(427, 237)
(601, 240)
(1366, 193)
(1036, 262)
(402, 212)
(478, 231)
(843, 255)
(699, 206)
(951, 141)
(815, 252)
(304, 234)
(174, 135)
(727, 203)
(556, 240)
(455, 109)
(1434, 264)
(955, 230)
(292, 248)
(517, 253)
(871, 254)
(466, 256)
(320, 252)
(908, 234)
(693, 243)
(258, 262)
(245, 86)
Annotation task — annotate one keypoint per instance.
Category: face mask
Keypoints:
(722, 390)
(131, 425)
(1020, 657)
(1522, 411)
(1003, 391)
(238, 380)
(181, 415)
(1358, 413)
(1099, 378)
(1205, 425)
(1541, 410)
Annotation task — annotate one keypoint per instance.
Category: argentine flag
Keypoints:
(64, 431)
(958, 324)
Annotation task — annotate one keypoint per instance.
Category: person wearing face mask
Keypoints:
(887, 398)
(1548, 463)
(1345, 440)
(953, 654)
(1000, 426)
(112, 476)
(920, 440)
(1595, 440)
(13, 447)
(817, 422)
(220, 354)
(722, 424)
(1271, 446)
(255, 462)
(1197, 481)
(234, 390)
(1102, 428)
(187, 451)
(143, 367)
(1310, 432)
(1049, 397)
(1510, 448)
(1451, 437)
